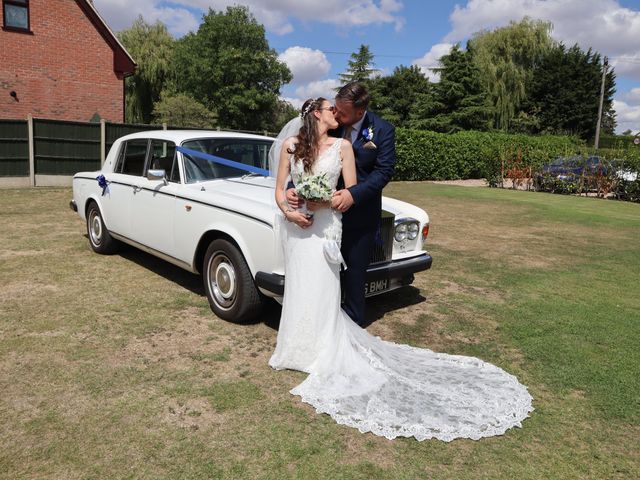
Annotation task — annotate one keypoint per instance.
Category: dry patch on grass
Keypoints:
(8, 254)
(197, 340)
(37, 386)
(191, 414)
(16, 290)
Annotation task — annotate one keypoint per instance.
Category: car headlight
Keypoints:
(406, 229)
(412, 231)
(401, 232)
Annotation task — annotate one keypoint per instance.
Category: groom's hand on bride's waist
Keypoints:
(342, 200)
(292, 198)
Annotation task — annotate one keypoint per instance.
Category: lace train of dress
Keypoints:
(364, 382)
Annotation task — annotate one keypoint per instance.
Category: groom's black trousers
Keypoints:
(357, 244)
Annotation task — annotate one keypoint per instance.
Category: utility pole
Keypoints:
(604, 76)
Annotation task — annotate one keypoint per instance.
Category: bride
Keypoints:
(360, 380)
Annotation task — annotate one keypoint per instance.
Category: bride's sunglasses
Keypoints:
(331, 108)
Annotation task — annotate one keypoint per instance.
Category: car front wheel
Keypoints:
(99, 238)
(228, 282)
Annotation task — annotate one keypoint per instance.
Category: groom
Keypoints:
(373, 141)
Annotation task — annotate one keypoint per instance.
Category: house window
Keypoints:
(16, 14)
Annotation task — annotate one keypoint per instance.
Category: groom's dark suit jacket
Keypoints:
(374, 169)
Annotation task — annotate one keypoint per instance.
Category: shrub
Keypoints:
(628, 190)
(424, 155)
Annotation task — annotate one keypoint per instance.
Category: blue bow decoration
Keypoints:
(102, 183)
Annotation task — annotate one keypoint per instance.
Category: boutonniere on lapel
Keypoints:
(367, 134)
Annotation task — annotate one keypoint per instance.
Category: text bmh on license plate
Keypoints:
(376, 286)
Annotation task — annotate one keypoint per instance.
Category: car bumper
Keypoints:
(73, 206)
(380, 278)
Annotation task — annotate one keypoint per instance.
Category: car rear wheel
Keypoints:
(228, 282)
(99, 238)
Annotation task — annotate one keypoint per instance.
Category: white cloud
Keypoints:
(120, 14)
(431, 59)
(296, 102)
(632, 97)
(276, 14)
(306, 65)
(628, 113)
(627, 65)
(627, 116)
(603, 25)
(320, 88)
(182, 16)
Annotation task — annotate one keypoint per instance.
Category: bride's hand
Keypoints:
(313, 206)
(299, 219)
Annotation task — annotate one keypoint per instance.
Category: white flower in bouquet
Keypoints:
(315, 188)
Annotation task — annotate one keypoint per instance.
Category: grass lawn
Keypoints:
(114, 366)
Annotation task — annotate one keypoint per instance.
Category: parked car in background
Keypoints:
(201, 200)
(567, 168)
(575, 166)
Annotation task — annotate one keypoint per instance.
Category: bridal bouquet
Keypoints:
(315, 188)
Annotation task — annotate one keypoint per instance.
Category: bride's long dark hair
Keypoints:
(306, 149)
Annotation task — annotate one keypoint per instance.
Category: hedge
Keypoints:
(424, 155)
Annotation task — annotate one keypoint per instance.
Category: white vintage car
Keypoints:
(200, 200)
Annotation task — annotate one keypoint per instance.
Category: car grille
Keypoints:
(382, 251)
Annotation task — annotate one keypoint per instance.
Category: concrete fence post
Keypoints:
(164, 125)
(103, 141)
(32, 153)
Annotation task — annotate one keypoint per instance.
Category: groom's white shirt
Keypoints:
(355, 128)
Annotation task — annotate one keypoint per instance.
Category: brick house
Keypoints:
(60, 60)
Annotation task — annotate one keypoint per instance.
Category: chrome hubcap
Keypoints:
(222, 280)
(95, 228)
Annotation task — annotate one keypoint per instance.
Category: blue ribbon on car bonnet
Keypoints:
(223, 161)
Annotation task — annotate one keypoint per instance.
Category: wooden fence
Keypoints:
(44, 152)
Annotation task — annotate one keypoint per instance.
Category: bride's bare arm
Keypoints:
(348, 164)
(281, 182)
(342, 199)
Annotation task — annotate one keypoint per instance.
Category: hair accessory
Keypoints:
(308, 108)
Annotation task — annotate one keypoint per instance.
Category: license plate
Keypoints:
(376, 286)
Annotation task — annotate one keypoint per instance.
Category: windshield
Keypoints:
(242, 150)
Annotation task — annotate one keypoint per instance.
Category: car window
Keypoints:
(120, 159)
(134, 154)
(163, 156)
(246, 151)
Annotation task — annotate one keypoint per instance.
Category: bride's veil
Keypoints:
(291, 129)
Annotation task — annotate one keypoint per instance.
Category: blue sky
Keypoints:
(315, 37)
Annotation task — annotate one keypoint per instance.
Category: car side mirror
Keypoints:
(157, 174)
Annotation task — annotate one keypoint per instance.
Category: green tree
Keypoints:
(151, 46)
(282, 114)
(564, 93)
(228, 66)
(360, 66)
(179, 109)
(460, 101)
(506, 58)
(395, 97)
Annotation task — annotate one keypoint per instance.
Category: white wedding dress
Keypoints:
(367, 383)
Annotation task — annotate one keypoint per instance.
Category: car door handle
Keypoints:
(136, 188)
